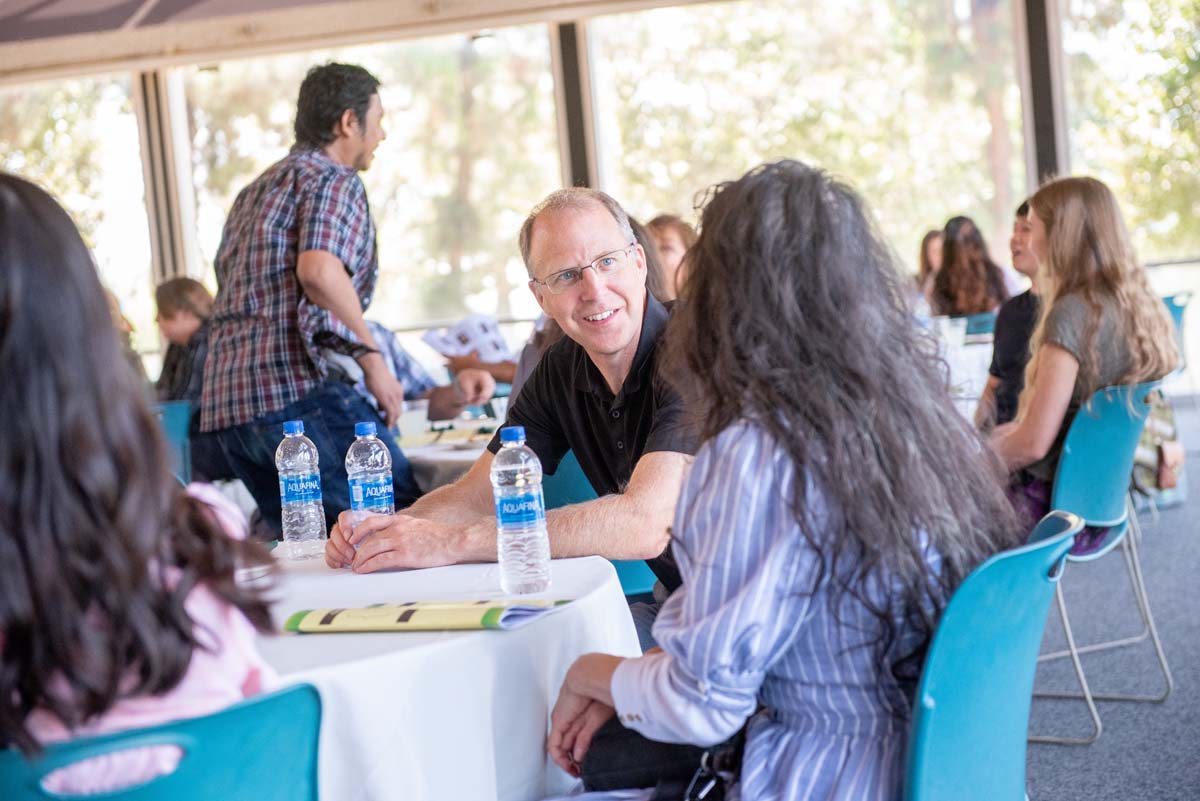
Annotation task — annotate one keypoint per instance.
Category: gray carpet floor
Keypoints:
(1146, 751)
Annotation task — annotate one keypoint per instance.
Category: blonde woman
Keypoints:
(1099, 325)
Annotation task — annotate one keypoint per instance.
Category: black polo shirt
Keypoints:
(565, 405)
(1010, 351)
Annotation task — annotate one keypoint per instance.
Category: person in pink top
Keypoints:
(118, 601)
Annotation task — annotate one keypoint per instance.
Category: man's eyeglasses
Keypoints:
(564, 280)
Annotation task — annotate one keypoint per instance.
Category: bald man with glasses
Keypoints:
(595, 392)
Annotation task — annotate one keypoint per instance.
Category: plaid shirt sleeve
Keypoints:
(337, 220)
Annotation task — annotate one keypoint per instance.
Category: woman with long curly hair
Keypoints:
(969, 282)
(836, 502)
(118, 604)
(1099, 325)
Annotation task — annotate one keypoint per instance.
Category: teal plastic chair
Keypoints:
(971, 716)
(1092, 482)
(984, 323)
(232, 755)
(175, 417)
(569, 485)
(1177, 305)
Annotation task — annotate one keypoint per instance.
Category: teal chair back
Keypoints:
(971, 715)
(263, 749)
(984, 323)
(1177, 305)
(175, 417)
(569, 485)
(1097, 456)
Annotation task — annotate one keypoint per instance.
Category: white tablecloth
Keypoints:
(443, 716)
(441, 463)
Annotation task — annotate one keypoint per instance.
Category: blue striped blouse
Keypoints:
(746, 629)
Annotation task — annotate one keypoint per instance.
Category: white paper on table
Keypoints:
(476, 332)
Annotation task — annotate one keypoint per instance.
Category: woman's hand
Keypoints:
(584, 705)
(573, 723)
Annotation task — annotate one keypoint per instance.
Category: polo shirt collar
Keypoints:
(654, 322)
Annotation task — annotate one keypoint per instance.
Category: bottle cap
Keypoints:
(512, 434)
(293, 427)
(365, 429)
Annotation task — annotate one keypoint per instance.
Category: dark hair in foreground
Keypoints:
(970, 282)
(91, 520)
(794, 316)
(327, 91)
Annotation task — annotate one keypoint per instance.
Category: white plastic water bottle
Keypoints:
(523, 548)
(369, 468)
(300, 493)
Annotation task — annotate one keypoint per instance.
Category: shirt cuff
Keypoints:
(647, 701)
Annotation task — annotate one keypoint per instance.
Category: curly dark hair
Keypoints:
(794, 317)
(970, 282)
(327, 92)
(99, 544)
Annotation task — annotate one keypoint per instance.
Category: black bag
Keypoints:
(620, 758)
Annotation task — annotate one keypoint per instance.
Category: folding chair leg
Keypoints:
(1108, 644)
(1087, 693)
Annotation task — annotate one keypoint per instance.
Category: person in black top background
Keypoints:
(1014, 327)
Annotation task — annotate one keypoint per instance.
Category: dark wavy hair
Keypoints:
(970, 282)
(327, 92)
(794, 317)
(99, 545)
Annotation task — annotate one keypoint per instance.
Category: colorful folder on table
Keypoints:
(421, 616)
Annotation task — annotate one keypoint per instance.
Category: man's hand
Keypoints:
(383, 385)
(474, 386)
(457, 364)
(391, 541)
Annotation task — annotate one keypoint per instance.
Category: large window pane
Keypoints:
(915, 104)
(472, 145)
(1133, 93)
(78, 139)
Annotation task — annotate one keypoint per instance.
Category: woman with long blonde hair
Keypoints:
(1100, 325)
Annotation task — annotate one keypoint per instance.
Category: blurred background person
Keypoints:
(1010, 340)
(672, 238)
(928, 263)
(969, 281)
(184, 308)
(124, 330)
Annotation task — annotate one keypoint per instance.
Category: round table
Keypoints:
(442, 715)
(442, 463)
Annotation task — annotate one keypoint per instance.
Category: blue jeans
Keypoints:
(329, 414)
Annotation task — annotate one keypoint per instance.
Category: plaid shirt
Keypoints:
(267, 339)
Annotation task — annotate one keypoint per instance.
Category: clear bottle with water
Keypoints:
(369, 468)
(300, 493)
(523, 548)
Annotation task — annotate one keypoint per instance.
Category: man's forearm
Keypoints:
(325, 282)
(615, 526)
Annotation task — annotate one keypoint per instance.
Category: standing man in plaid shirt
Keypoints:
(296, 270)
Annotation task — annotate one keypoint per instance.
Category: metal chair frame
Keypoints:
(1126, 535)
